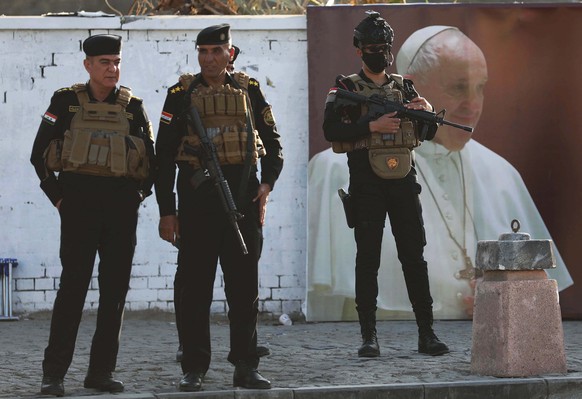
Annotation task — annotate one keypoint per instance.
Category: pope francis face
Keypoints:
(455, 84)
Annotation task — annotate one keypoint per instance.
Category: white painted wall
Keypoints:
(42, 54)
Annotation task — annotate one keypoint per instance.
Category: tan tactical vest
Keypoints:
(404, 138)
(98, 141)
(223, 111)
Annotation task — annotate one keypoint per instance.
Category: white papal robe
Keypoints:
(491, 194)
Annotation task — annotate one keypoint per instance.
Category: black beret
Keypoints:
(102, 44)
(216, 34)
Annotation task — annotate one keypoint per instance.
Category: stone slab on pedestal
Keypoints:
(517, 326)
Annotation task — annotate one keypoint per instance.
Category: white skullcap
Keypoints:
(414, 43)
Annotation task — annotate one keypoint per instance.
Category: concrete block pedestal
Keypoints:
(517, 323)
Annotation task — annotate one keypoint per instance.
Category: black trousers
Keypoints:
(375, 197)
(206, 238)
(96, 221)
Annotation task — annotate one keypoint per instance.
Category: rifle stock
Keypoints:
(379, 106)
(209, 158)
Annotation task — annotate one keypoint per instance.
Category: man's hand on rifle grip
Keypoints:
(387, 123)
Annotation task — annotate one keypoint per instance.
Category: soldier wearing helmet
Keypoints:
(374, 37)
(382, 180)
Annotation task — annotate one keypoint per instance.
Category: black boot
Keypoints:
(428, 342)
(191, 382)
(247, 376)
(52, 386)
(370, 347)
(102, 381)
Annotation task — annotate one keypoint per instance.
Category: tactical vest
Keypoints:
(405, 137)
(224, 112)
(98, 142)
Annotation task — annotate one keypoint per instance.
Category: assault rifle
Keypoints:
(378, 106)
(209, 158)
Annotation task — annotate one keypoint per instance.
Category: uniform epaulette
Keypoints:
(177, 88)
(65, 90)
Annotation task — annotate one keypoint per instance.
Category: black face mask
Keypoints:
(377, 62)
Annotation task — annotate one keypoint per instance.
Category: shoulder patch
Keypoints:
(49, 118)
(166, 117)
(268, 116)
(253, 82)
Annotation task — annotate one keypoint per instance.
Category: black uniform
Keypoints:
(373, 197)
(206, 236)
(98, 215)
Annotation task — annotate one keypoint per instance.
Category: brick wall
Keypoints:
(41, 55)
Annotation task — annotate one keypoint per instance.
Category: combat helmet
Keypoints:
(373, 30)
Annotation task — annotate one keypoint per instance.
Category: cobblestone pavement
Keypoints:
(303, 355)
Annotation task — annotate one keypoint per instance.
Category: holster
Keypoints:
(348, 204)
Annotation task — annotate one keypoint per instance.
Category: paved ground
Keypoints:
(321, 356)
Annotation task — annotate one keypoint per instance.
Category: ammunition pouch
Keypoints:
(223, 111)
(103, 153)
(98, 142)
(390, 155)
(52, 155)
(230, 147)
(390, 163)
(406, 135)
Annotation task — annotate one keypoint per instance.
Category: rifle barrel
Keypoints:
(457, 125)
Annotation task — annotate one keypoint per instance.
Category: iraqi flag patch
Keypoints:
(49, 118)
(166, 117)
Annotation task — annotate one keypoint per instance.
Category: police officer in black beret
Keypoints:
(235, 114)
(383, 180)
(94, 155)
(261, 350)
